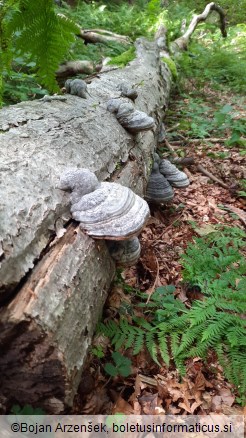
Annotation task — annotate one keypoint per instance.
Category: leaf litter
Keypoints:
(195, 211)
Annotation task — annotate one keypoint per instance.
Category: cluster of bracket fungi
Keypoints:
(108, 210)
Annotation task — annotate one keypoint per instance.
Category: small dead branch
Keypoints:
(173, 127)
(170, 148)
(184, 161)
(101, 36)
(212, 177)
(182, 42)
(200, 140)
(72, 68)
(149, 380)
(199, 167)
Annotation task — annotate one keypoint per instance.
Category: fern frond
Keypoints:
(107, 329)
(163, 347)
(236, 336)
(138, 343)
(39, 31)
(202, 311)
(190, 336)
(151, 346)
(174, 342)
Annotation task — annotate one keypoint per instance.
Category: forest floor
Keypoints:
(195, 211)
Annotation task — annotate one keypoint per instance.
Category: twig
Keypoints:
(199, 140)
(173, 127)
(184, 161)
(146, 379)
(200, 168)
(170, 148)
(211, 176)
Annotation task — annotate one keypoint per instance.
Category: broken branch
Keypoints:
(181, 43)
(199, 167)
(101, 37)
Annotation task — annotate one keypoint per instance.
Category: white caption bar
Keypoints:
(125, 426)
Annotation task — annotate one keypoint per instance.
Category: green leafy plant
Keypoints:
(121, 366)
(26, 410)
(98, 352)
(223, 119)
(125, 57)
(172, 66)
(213, 263)
(215, 61)
(37, 32)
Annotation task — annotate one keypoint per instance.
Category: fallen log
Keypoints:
(53, 278)
(72, 68)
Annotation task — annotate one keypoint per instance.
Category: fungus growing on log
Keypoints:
(107, 211)
(174, 176)
(130, 118)
(129, 92)
(158, 189)
(77, 87)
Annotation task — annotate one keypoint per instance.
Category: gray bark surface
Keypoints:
(53, 286)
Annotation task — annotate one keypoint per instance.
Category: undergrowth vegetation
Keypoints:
(35, 38)
(173, 332)
(32, 36)
(214, 59)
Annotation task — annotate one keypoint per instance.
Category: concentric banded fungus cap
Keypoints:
(158, 188)
(156, 158)
(110, 211)
(126, 253)
(130, 118)
(173, 174)
(113, 105)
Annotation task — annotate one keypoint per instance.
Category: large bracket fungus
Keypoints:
(174, 176)
(131, 119)
(158, 189)
(107, 211)
(163, 177)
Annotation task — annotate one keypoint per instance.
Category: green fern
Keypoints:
(34, 30)
(172, 331)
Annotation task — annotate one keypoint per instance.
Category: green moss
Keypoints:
(123, 59)
(172, 66)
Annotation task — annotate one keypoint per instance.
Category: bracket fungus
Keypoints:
(158, 189)
(131, 119)
(175, 177)
(125, 253)
(77, 87)
(107, 210)
(129, 92)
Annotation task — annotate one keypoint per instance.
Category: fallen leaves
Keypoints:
(153, 390)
